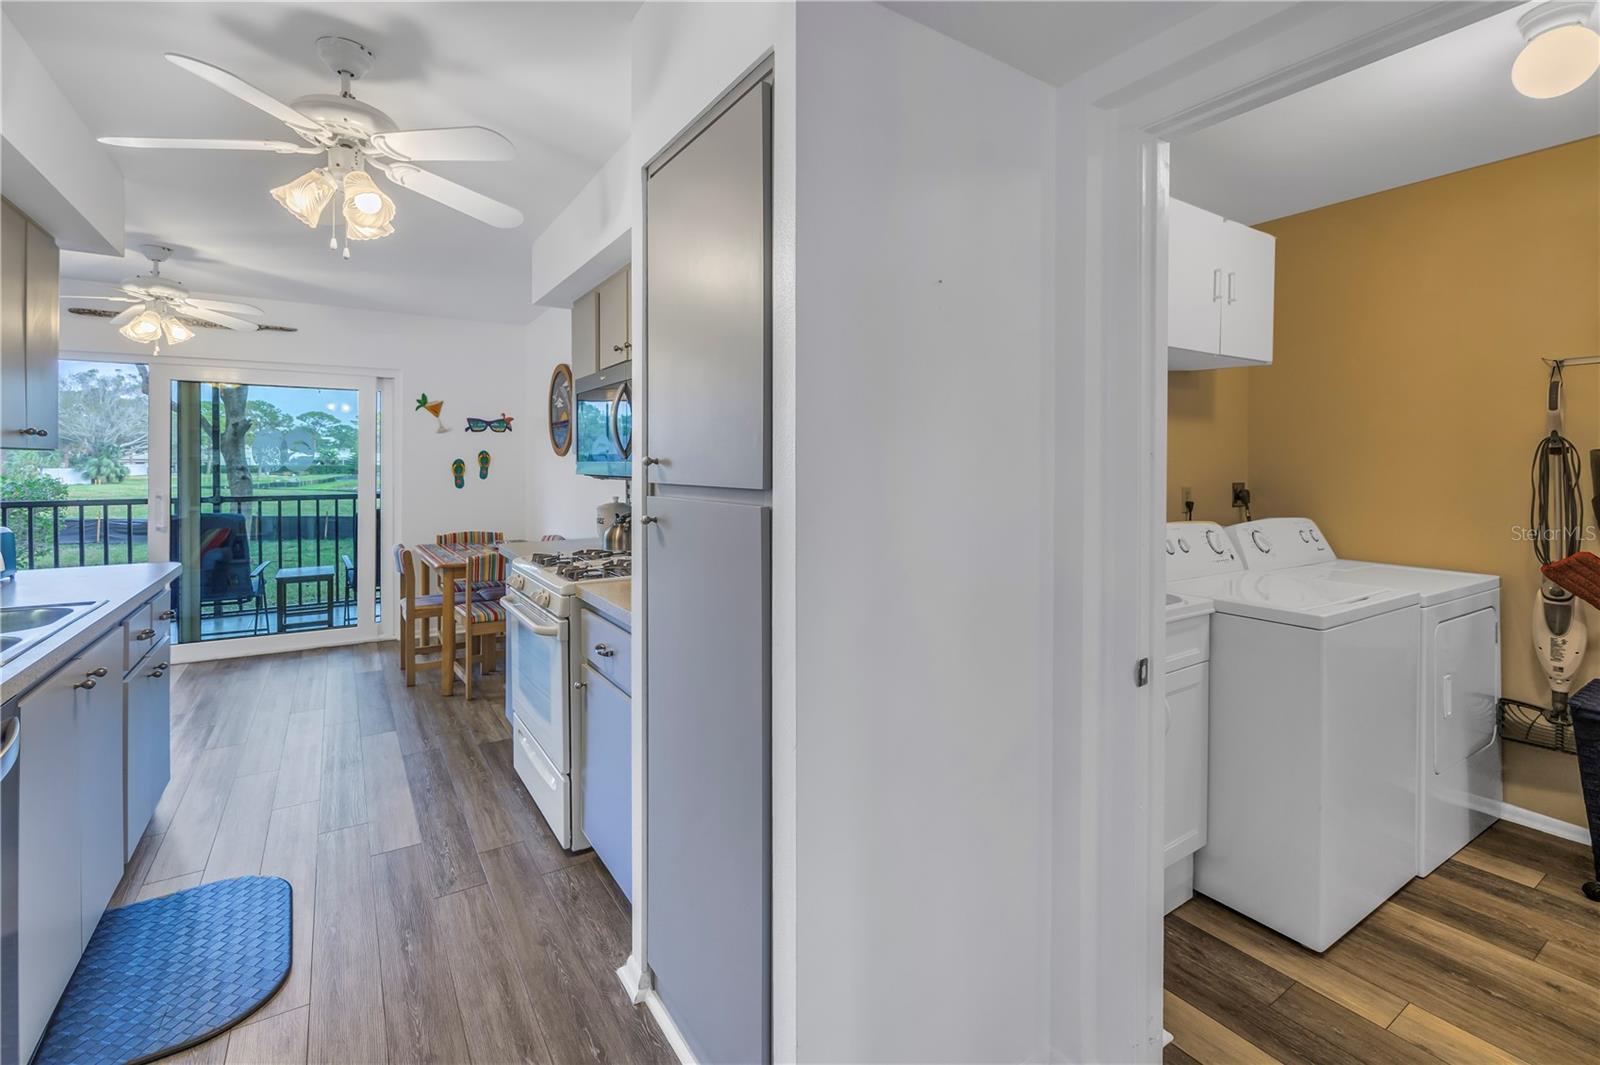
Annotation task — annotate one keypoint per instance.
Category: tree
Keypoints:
(103, 414)
(336, 440)
(101, 466)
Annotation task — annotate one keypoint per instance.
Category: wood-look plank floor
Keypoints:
(1493, 958)
(436, 918)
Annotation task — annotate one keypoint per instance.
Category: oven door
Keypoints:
(537, 685)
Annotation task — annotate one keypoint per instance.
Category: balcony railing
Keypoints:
(282, 530)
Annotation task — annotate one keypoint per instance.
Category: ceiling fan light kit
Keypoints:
(353, 134)
(1562, 50)
(158, 306)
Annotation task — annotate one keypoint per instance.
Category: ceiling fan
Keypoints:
(161, 308)
(353, 136)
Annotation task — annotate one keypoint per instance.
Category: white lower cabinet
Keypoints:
(69, 832)
(99, 775)
(147, 746)
(1188, 725)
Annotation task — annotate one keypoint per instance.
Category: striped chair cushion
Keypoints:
(484, 611)
(470, 536)
(486, 569)
(485, 590)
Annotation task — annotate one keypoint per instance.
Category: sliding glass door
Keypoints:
(268, 500)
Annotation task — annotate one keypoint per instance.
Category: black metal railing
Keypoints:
(283, 530)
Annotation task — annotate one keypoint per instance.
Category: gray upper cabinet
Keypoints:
(708, 811)
(616, 334)
(30, 322)
(585, 334)
(707, 250)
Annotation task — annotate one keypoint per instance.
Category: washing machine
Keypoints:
(1458, 694)
(1312, 790)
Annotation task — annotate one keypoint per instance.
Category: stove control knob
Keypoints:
(1214, 540)
(541, 598)
(1183, 545)
(1170, 549)
(1316, 538)
(1305, 536)
(517, 581)
(1259, 538)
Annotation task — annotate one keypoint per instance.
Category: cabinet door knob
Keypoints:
(166, 615)
(649, 520)
(41, 432)
(650, 461)
(145, 634)
(98, 672)
(86, 683)
(603, 651)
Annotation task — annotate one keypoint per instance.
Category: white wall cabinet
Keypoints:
(1220, 283)
(30, 324)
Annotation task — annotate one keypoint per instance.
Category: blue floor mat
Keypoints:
(165, 974)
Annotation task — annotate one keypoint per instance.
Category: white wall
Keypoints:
(590, 239)
(558, 500)
(924, 274)
(477, 368)
(53, 168)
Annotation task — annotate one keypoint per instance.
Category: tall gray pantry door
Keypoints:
(706, 548)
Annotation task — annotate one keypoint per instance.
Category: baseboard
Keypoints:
(1518, 815)
(633, 982)
(669, 1027)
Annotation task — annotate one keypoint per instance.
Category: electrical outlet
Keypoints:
(1188, 494)
(1241, 495)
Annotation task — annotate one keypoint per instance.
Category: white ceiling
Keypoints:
(1442, 106)
(553, 77)
(1053, 41)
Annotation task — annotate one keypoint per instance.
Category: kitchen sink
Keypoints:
(23, 626)
(23, 618)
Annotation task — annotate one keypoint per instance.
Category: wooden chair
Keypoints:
(481, 620)
(415, 608)
(475, 536)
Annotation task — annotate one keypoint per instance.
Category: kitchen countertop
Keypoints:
(122, 587)
(612, 600)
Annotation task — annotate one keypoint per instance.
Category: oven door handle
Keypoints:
(539, 629)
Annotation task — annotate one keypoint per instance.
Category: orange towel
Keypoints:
(1578, 574)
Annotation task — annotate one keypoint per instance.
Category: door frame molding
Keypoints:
(367, 385)
(1103, 979)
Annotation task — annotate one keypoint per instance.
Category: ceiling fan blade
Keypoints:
(108, 299)
(468, 144)
(206, 315)
(127, 315)
(232, 83)
(463, 199)
(226, 306)
(281, 147)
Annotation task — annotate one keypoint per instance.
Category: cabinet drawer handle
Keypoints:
(166, 615)
(650, 520)
(648, 461)
(157, 673)
(145, 634)
(31, 431)
(603, 651)
(98, 672)
(87, 683)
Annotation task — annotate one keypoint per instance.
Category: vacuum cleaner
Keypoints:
(1555, 517)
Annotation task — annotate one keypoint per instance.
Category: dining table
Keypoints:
(449, 562)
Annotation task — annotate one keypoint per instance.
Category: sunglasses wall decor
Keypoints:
(501, 424)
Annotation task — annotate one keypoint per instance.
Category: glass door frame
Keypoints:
(163, 372)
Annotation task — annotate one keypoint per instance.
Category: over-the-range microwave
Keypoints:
(605, 422)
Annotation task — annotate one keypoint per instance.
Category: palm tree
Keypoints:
(101, 465)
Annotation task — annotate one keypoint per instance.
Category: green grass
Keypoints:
(139, 487)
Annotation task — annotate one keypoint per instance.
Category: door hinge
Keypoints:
(1142, 674)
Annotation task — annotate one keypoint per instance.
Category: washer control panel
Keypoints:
(1280, 543)
(1199, 549)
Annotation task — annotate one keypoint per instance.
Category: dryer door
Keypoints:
(1466, 685)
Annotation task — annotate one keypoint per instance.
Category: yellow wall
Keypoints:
(1405, 397)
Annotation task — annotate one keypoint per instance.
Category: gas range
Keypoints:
(549, 577)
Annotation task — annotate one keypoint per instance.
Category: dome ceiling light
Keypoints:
(1562, 50)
